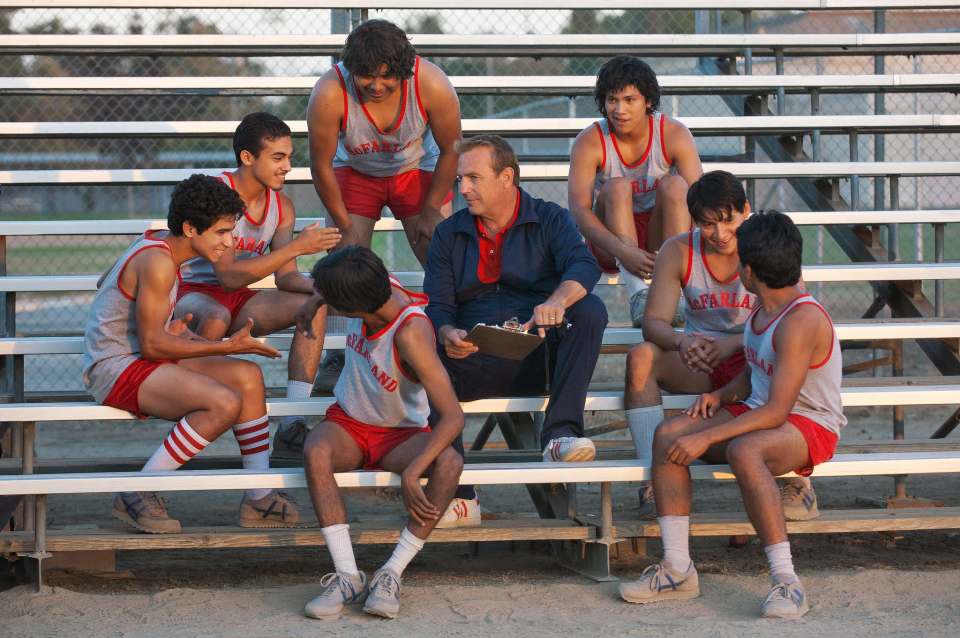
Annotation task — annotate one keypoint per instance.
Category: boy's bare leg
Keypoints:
(419, 231)
(210, 319)
(384, 597)
(443, 482)
(756, 459)
(329, 449)
(670, 215)
(671, 482)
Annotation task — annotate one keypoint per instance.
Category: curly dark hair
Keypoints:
(352, 280)
(623, 71)
(200, 200)
(771, 244)
(253, 129)
(377, 42)
(716, 196)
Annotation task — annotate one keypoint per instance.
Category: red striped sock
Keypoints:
(253, 437)
(181, 445)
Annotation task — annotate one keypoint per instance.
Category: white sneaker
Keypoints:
(461, 512)
(785, 600)
(338, 590)
(384, 597)
(659, 582)
(570, 448)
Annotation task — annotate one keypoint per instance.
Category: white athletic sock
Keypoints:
(633, 283)
(407, 547)
(253, 437)
(181, 445)
(675, 535)
(299, 391)
(781, 562)
(643, 424)
(337, 538)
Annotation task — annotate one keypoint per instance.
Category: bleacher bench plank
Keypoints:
(615, 471)
(542, 85)
(222, 537)
(855, 393)
(567, 85)
(512, 529)
(865, 272)
(138, 226)
(829, 521)
(847, 330)
(527, 127)
(528, 172)
(518, 45)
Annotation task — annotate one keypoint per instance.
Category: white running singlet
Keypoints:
(645, 173)
(368, 149)
(373, 387)
(250, 239)
(110, 342)
(716, 308)
(819, 398)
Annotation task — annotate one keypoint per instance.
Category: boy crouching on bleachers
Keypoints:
(380, 422)
(790, 420)
(137, 360)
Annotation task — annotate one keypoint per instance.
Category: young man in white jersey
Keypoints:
(217, 294)
(781, 414)
(137, 359)
(383, 126)
(391, 377)
(629, 174)
(702, 266)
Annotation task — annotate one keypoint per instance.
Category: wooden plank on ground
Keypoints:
(511, 529)
(830, 521)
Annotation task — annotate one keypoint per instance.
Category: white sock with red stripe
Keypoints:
(181, 445)
(253, 437)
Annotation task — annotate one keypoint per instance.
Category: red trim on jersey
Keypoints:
(279, 208)
(266, 211)
(403, 110)
(379, 333)
(416, 88)
(396, 352)
(779, 314)
(824, 311)
(162, 245)
(603, 146)
(689, 270)
(343, 89)
(419, 299)
(663, 142)
(646, 152)
(266, 205)
(703, 255)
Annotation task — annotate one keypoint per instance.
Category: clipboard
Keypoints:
(503, 342)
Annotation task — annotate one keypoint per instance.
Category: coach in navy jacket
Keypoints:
(507, 255)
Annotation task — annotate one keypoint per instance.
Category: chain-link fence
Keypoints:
(53, 313)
